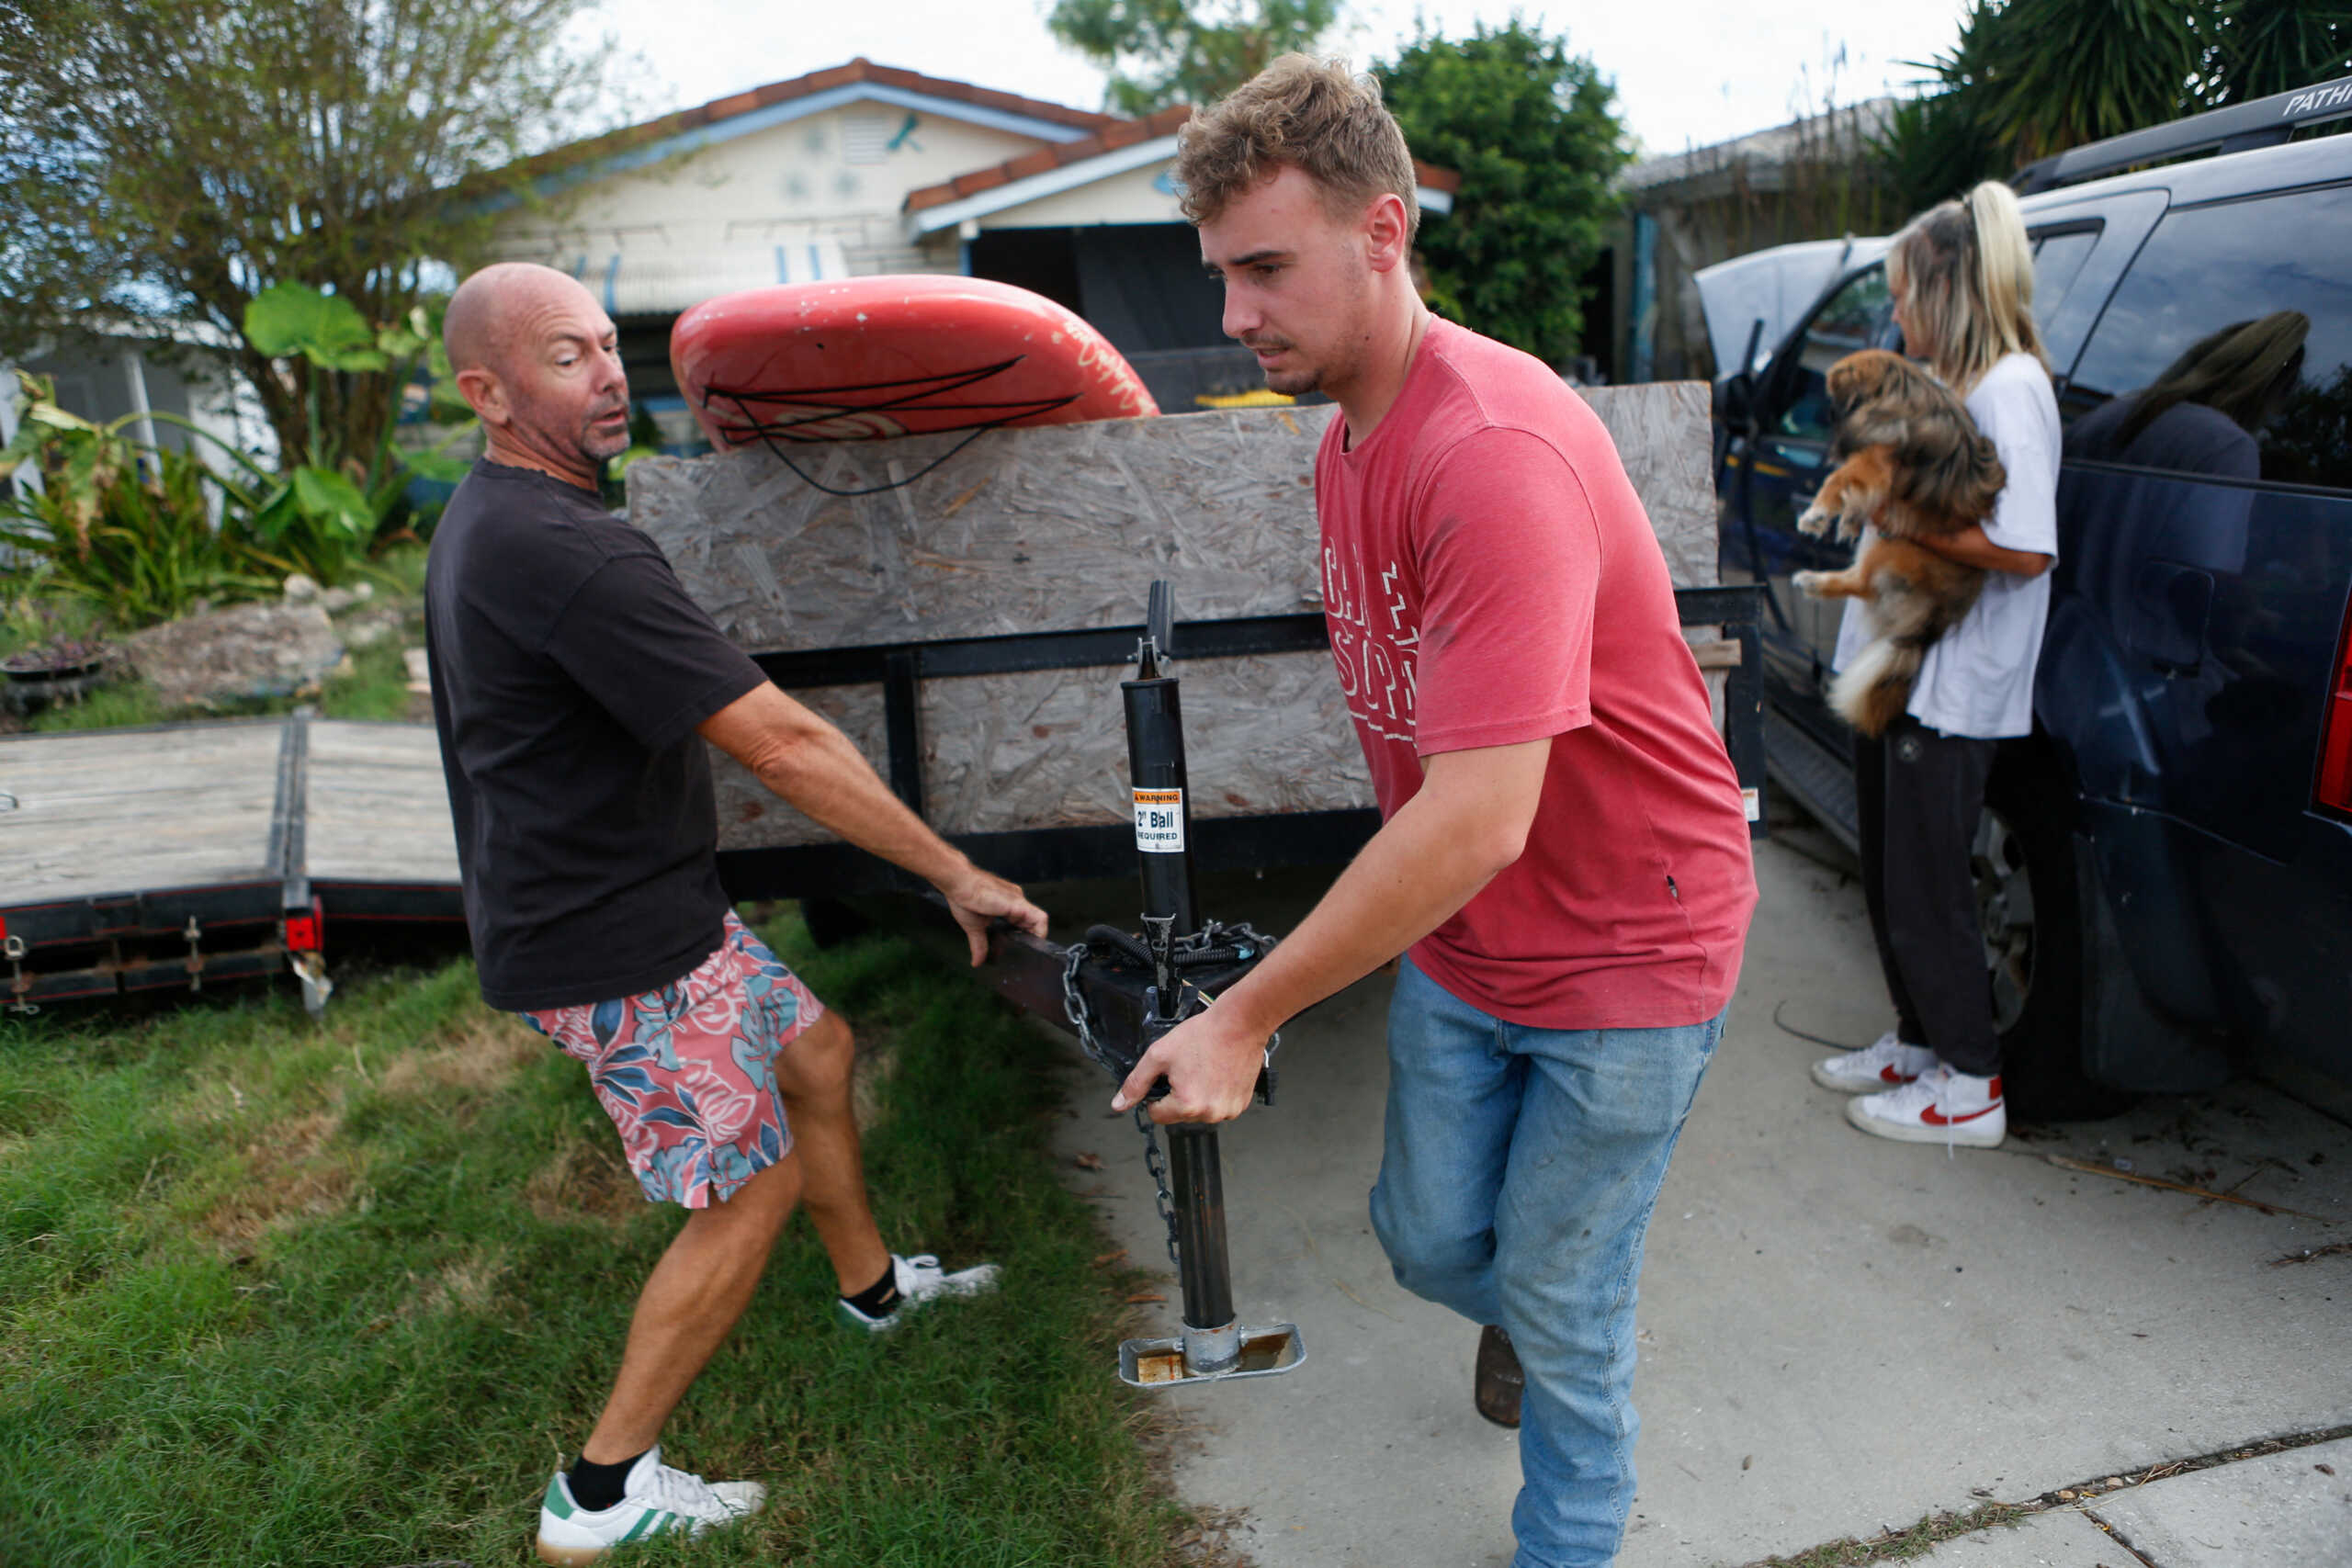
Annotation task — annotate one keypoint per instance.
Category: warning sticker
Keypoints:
(1160, 822)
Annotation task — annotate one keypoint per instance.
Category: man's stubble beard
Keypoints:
(1334, 365)
(605, 449)
(1295, 383)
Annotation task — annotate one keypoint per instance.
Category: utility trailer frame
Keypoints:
(167, 856)
(1220, 843)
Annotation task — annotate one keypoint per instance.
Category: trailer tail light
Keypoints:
(2334, 793)
(306, 933)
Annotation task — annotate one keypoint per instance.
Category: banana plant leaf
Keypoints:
(326, 328)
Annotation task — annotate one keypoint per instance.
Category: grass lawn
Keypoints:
(274, 1292)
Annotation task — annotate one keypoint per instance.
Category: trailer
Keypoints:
(179, 856)
(952, 601)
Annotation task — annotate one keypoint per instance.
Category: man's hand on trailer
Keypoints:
(799, 755)
(981, 897)
(1468, 823)
(1211, 1063)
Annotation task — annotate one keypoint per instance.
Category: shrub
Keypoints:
(123, 528)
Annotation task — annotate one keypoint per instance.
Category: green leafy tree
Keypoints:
(2261, 47)
(334, 499)
(2049, 74)
(1933, 148)
(182, 157)
(1533, 131)
(2030, 78)
(1186, 52)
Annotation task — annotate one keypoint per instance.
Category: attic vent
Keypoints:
(866, 136)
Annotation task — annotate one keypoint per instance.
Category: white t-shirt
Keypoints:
(1977, 679)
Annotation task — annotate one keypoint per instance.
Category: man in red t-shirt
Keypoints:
(1563, 858)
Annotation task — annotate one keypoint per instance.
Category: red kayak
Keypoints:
(867, 358)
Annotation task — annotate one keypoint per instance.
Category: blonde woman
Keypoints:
(1961, 275)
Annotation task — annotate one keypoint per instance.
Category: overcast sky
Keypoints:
(1688, 72)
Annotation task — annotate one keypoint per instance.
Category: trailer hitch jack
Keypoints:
(1215, 1343)
(1120, 992)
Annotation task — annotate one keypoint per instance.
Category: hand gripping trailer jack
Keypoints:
(1119, 992)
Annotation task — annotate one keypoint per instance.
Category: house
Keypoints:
(1810, 179)
(863, 169)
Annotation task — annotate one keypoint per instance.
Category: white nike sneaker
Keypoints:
(921, 1279)
(1887, 1064)
(655, 1500)
(1956, 1110)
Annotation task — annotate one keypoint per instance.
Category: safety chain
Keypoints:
(1074, 1006)
(1157, 1163)
(1214, 933)
(1081, 1020)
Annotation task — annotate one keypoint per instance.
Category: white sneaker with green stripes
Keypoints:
(655, 1500)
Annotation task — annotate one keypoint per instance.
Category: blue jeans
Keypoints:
(1516, 1186)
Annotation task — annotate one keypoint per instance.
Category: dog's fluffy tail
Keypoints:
(1872, 692)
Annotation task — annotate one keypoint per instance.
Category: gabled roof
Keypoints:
(862, 70)
(1135, 138)
(757, 109)
(1045, 160)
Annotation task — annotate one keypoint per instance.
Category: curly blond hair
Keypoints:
(1317, 116)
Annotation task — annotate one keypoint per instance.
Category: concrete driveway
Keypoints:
(1840, 1335)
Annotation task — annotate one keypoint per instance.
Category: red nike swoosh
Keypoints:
(1935, 1118)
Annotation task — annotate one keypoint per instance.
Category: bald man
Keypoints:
(573, 686)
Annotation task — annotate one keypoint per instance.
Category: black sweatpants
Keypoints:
(1918, 795)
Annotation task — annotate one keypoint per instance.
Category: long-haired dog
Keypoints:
(1912, 463)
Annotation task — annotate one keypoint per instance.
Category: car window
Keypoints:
(2057, 258)
(1859, 315)
(2227, 348)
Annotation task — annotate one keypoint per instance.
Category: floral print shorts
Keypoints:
(687, 1072)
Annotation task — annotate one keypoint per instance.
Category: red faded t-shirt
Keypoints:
(1490, 577)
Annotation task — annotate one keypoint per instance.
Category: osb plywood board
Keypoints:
(1046, 750)
(1064, 528)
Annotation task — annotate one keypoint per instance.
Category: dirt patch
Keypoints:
(468, 1284)
(1168, 1434)
(876, 1062)
(288, 1174)
(865, 1086)
(1210, 1543)
(587, 1182)
(478, 1057)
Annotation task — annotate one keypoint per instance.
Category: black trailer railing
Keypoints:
(1220, 843)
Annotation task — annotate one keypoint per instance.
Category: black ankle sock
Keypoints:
(597, 1487)
(880, 1298)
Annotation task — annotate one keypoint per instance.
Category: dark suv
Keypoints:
(2165, 868)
